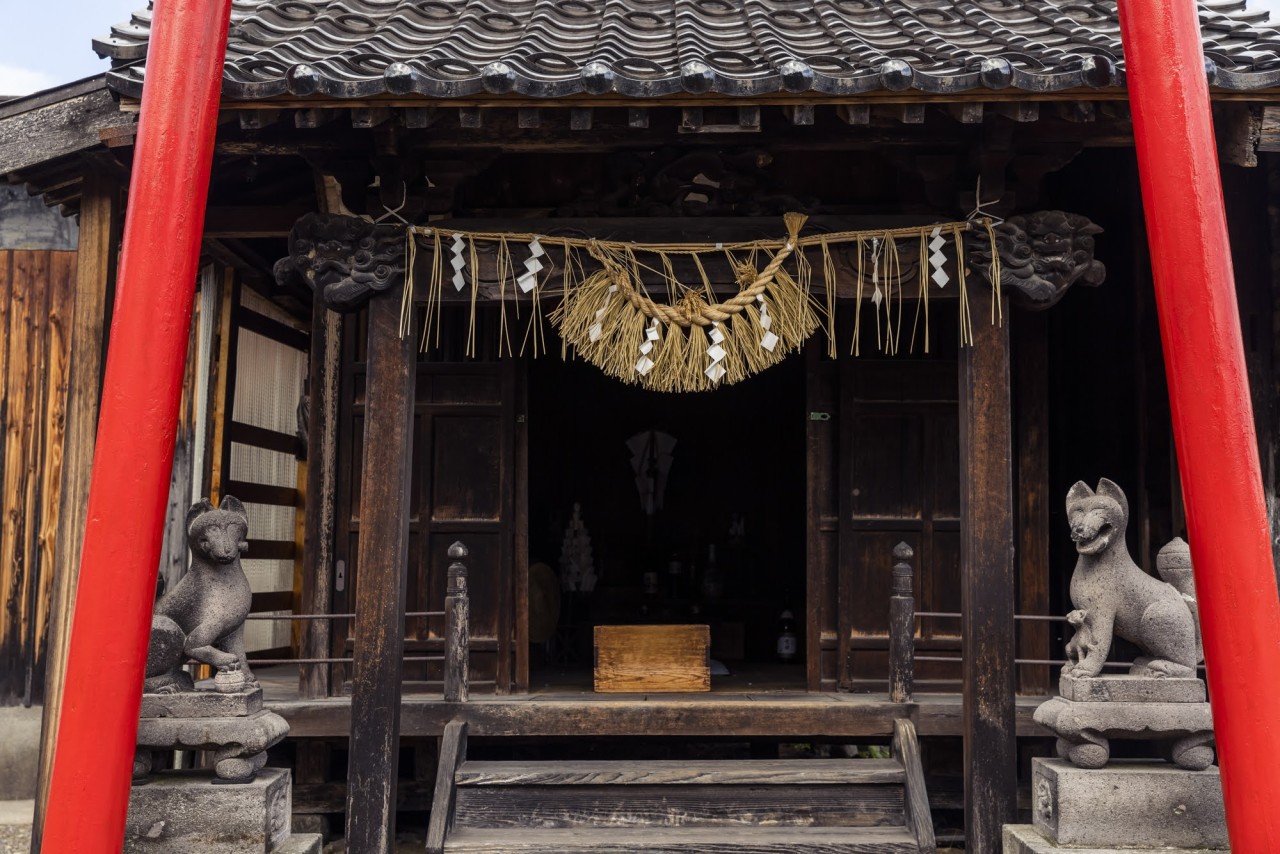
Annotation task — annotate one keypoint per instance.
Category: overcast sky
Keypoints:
(47, 42)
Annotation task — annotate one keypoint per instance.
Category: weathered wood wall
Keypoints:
(36, 298)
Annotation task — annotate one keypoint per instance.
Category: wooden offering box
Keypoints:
(668, 659)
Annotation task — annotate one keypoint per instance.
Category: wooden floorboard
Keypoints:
(717, 840)
(774, 772)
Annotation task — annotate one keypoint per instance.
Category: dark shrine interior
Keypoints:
(739, 455)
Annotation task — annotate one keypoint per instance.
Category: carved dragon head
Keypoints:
(346, 258)
(1041, 256)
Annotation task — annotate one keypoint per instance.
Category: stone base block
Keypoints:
(1131, 689)
(181, 811)
(1025, 839)
(202, 704)
(1128, 805)
(239, 743)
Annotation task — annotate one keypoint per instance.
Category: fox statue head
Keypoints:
(1098, 519)
(218, 534)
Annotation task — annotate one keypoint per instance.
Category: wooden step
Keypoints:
(727, 772)
(718, 805)
(683, 840)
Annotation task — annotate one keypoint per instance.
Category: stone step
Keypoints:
(300, 843)
(665, 840)
(735, 772)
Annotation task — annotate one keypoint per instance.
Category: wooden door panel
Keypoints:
(888, 453)
(463, 488)
(467, 467)
(898, 457)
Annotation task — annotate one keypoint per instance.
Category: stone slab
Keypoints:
(201, 704)
(1025, 839)
(1131, 689)
(1129, 804)
(184, 811)
(255, 732)
(301, 843)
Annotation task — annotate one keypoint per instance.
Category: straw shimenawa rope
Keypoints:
(686, 339)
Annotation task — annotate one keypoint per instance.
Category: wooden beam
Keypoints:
(379, 609)
(240, 221)
(746, 716)
(528, 117)
(48, 131)
(322, 473)
(799, 114)
(369, 117)
(967, 113)
(854, 114)
(258, 119)
(453, 752)
(100, 223)
(987, 580)
(580, 118)
(1020, 111)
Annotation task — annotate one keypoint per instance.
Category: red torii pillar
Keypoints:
(141, 393)
(1209, 399)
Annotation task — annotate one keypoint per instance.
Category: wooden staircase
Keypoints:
(805, 806)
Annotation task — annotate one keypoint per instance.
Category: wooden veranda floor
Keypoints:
(557, 709)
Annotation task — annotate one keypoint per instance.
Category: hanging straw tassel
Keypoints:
(606, 319)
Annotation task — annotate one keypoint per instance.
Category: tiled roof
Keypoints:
(650, 48)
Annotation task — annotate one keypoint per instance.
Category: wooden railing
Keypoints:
(457, 633)
(902, 630)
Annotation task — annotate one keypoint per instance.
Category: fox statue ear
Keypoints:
(232, 504)
(1115, 493)
(1079, 492)
(198, 509)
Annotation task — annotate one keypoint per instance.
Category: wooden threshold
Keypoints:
(667, 715)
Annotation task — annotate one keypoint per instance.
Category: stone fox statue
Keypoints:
(1118, 598)
(203, 616)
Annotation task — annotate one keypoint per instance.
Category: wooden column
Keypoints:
(380, 592)
(322, 488)
(100, 222)
(1031, 386)
(987, 586)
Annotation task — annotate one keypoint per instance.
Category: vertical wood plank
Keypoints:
(1031, 389)
(224, 388)
(379, 622)
(321, 492)
(521, 533)
(29, 271)
(987, 585)
(819, 494)
(61, 296)
(506, 549)
(100, 223)
(37, 401)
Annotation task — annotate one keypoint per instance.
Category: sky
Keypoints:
(45, 43)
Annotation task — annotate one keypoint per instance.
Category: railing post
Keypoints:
(457, 617)
(902, 629)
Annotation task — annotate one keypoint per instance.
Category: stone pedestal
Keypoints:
(1127, 806)
(1092, 711)
(176, 812)
(233, 726)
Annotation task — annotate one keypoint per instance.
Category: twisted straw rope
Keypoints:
(692, 310)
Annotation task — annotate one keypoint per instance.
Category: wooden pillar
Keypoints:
(322, 489)
(987, 586)
(1031, 386)
(380, 591)
(100, 223)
